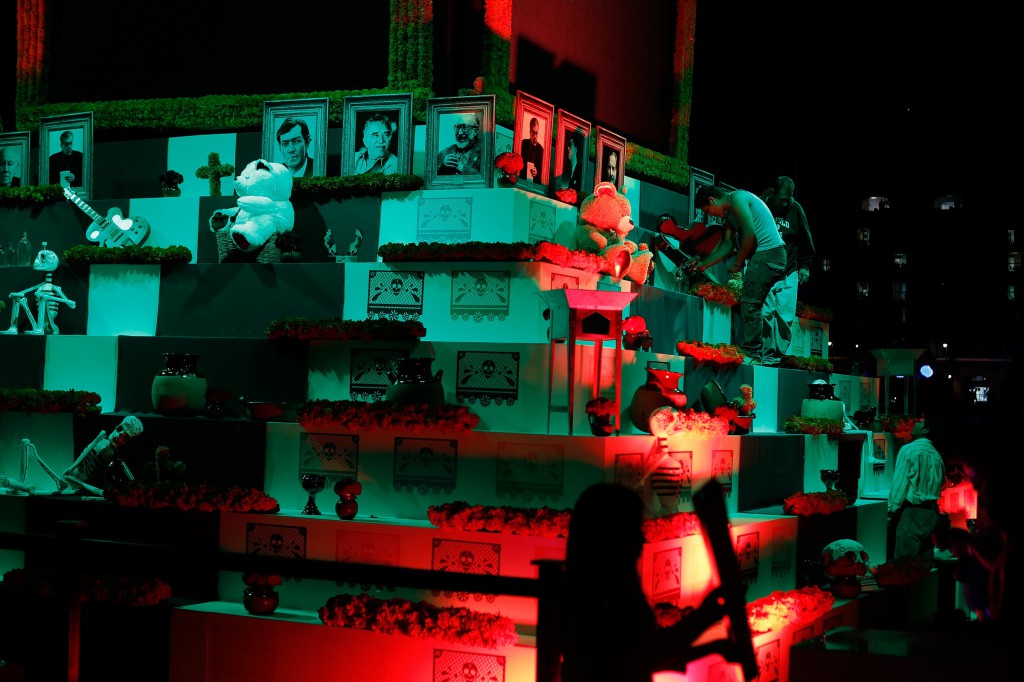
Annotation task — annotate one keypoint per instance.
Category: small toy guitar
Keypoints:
(113, 230)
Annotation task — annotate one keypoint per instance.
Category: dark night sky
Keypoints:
(870, 97)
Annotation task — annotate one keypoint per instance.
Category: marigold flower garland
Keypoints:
(724, 354)
(48, 401)
(805, 504)
(540, 522)
(544, 522)
(810, 312)
(201, 497)
(716, 293)
(367, 416)
(811, 364)
(548, 252)
(420, 620)
(813, 425)
(118, 590)
(338, 329)
(902, 570)
(774, 612)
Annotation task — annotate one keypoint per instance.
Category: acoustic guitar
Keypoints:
(113, 230)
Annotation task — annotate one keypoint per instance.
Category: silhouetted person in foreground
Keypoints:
(609, 628)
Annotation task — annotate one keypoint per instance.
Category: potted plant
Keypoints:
(602, 414)
(635, 335)
(259, 596)
(290, 245)
(169, 181)
(347, 489)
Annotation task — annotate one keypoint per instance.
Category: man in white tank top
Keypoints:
(752, 236)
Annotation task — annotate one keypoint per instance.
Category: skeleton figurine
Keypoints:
(48, 296)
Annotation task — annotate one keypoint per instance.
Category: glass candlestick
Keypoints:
(312, 484)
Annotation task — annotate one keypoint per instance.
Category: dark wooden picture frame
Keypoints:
(393, 112)
(534, 176)
(608, 144)
(312, 113)
(445, 165)
(51, 128)
(572, 130)
(18, 149)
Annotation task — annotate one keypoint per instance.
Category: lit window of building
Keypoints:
(1011, 236)
(1011, 293)
(862, 290)
(864, 235)
(1013, 261)
(899, 259)
(899, 291)
(826, 264)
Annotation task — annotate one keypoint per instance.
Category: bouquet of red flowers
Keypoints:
(261, 579)
(805, 504)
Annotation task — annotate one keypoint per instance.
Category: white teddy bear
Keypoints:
(264, 206)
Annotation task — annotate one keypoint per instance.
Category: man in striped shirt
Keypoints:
(914, 495)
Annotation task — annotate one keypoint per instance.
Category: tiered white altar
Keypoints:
(488, 335)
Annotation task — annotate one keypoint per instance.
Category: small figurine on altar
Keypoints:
(47, 294)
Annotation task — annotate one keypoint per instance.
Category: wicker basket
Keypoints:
(228, 252)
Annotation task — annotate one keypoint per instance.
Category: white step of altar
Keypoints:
(454, 216)
(675, 570)
(219, 641)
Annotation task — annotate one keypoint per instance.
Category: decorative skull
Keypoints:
(276, 543)
(488, 368)
(466, 560)
(470, 671)
(397, 285)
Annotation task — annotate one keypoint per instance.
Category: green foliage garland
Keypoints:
(85, 254)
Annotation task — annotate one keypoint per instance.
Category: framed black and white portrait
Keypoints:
(609, 157)
(572, 151)
(460, 142)
(533, 125)
(295, 134)
(377, 134)
(14, 159)
(65, 152)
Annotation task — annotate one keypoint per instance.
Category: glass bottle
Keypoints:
(24, 255)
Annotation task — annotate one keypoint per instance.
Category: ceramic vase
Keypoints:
(661, 390)
(347, 507)
(260, 600)
(179, 388)
(601, 426)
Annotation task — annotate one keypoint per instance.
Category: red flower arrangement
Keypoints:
(635, 335)
(549, 252)
(602, 408)
(902, 570)
(348, 486)
(261, 579)
(696, 425)
(366, 416)
(724, 354)
(201, 497)
(510, 164)
(671, 526)
(716, 293)
(567, 196)
(813, 425)
(797, 607)
(810, 312)
(805, 504)
(844, 558)
(337, 329)
(899, 425)
(539, 522)
(49, 401)
(420, 620)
